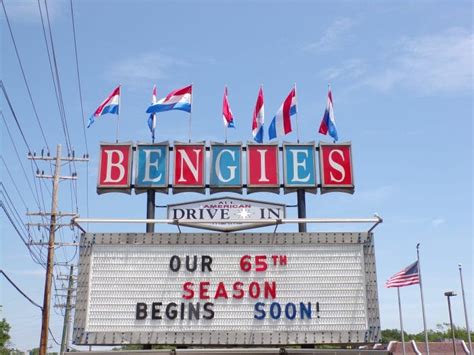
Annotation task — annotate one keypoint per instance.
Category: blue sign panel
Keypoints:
(299, 166)
(152, 166)
(226, 166)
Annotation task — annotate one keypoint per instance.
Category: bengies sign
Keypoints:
(192, 169)
(218, 211)
(244, 289)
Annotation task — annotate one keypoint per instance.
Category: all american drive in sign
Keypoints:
(219, 212)
(219, 167)
(228, 289)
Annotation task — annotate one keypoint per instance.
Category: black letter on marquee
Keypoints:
(188, 263)
(206, 263)
(155, 310)
(194, 311)
(140, 311)
(170, 310)
(175, 263)
(208, 307)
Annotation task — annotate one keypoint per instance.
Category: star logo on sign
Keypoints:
(244, 214)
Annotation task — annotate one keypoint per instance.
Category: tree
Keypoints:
(4, 335)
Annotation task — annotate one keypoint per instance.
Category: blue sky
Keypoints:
(401, 75)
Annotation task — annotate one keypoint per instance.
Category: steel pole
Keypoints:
(50, 261)
(150, 210)
(452, 326)
(301, 209)
(465, 309)
(401, 320)
(67, 313)
(150, 228)
(422, 299)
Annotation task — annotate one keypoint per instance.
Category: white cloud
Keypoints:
(349, 69)
(436, 222)
(143, 68)
(27, 10)
(333, 35)
(437, 63)
(377, 194)
(440, 62)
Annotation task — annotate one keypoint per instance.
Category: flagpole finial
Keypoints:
(418, 246)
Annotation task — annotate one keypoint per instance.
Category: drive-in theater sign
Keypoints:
(150, 166)
(226, 288)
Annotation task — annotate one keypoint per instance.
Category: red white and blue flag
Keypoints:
(406, 277)
(152, 118)
(258, 118)
(227, 112)
(109, 105)
(328, 123)
(281, 123)
(179, 99)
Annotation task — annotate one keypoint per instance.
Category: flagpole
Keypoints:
(465, 309)
(225, 129)
(401, 320)
(297, 126)
(190, 114)
(422, 299)
(118, 114)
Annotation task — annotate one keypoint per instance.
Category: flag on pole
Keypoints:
(152, 118)
(406, 277)
(179, 99)
(227, 112)
(109, 105)
(328, 123)
(258, 118)
(281, 123)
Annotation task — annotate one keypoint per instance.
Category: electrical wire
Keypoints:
(29, 299)
(36, 198)
(24, 76)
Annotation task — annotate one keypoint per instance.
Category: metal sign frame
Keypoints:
(226, 337)
(116, 187)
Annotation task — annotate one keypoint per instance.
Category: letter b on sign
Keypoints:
(114, 168)
(335, 161)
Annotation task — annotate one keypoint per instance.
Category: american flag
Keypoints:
(406, 277)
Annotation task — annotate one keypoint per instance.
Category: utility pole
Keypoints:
(50, 261)
(53, 226)
(67, 313)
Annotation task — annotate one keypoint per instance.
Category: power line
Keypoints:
(19, 290)
(28, 298)
(81, 102)
(35, 257)
(36, 198)
(58, 82)
(24, 76)
(78, 77)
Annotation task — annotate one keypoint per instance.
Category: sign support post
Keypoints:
(301, 209)
(150, 209)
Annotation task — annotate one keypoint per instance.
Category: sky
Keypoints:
(402, 83)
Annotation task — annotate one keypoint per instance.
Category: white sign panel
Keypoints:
(223, 209)
(226, 289)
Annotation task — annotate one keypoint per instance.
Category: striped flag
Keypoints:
(328, 123)
(152, 118)
(406, 277)
(176, 100)
(109, 105)
(281, 123)
(227, 112)
(258, 118)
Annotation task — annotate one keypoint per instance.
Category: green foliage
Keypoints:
(441, 333)
(4, 334)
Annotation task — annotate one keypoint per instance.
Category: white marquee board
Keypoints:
(301, 288)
